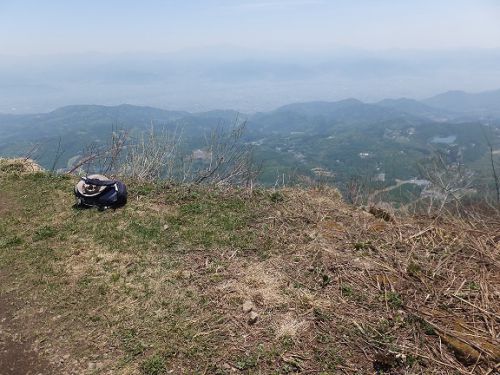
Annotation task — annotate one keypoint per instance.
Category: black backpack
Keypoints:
(106, 194)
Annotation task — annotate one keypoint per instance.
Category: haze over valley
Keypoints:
(244, 80)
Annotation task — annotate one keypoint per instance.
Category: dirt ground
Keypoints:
(169, 285)
(4, 206)
(17, 355)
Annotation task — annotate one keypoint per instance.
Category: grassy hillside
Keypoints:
(188, 280)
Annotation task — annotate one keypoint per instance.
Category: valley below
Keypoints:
(340, 143)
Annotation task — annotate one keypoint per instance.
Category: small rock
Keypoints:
(248, 306)
(253, 317)
(165, 227)
(94, 366)
(382, 211)
(186, 274)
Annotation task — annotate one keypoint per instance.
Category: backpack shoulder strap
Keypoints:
(96, 182)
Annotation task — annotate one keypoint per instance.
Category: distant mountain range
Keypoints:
(346, 138)
(451, 105)
(419, 109)
(481, 104)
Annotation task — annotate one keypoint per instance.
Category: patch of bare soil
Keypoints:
(17, 355)
(7, 204)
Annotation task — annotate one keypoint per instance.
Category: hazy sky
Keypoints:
(76, 26)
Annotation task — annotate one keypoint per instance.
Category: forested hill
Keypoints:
(480, 104)
(380, 142)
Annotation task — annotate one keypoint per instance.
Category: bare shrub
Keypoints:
(103, 159)
(494, 173)
(151, 156)
(229, 160)
(448, 182)
(360, 190)
(155, 155)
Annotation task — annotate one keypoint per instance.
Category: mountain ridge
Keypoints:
(484, 102)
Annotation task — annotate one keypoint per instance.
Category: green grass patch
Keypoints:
(10, 241)
(131, 343)
(44, 233)
(154, 365)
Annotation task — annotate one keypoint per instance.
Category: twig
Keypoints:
(476, 307)
(420, 233)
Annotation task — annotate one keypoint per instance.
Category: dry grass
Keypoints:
(19, 165)
(158, 286)
(407, 287)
